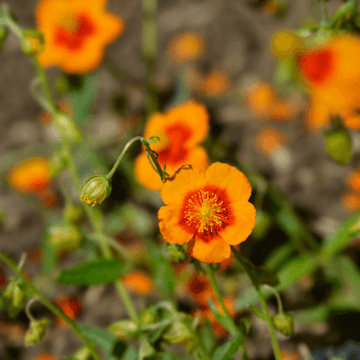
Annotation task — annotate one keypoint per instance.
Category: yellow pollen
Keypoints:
(206, 211)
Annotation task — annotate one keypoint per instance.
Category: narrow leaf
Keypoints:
(228, 350)
(220, 318)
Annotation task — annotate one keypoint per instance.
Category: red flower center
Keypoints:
(74, 31)
(207, 211)
(317, 65)
(176, 152)
(198, 285)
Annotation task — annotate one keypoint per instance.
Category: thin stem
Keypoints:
(274, 342)
(27, 309)
(10, 22)
(325, 19)
(125, 297)
(151, 153)
(32, 289)
(278, 298)
(126, 147)
(219, 298)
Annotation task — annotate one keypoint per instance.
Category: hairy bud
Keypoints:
(95, 190)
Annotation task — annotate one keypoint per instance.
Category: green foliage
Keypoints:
(228, 350)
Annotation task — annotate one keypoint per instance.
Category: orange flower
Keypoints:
(332, 75)
(71, 307)
(76, 33)
(353, 180)
(216, 83)
(186, 47)
(208, 210)
(351, 201)
(180, 130)
(262, 100)
(34, 256)
(138, 283)
(285, 44)
(200, 289)
(287, 355)
(32, 175)
(206, 312)
(46, 356)
(270, 140)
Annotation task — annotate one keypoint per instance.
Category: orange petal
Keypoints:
(213, 250)
(229, 178)
(170, 227)
(318, 115)
(187, 178)
(145, 174)
(241, 228)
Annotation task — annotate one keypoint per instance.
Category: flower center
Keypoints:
(73, 30)
(206, 212)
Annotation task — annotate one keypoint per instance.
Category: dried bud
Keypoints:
(36, 331)
(3, 35)
(67, 127)
(284, 323)
(338, 144)
(177, 252)
(178, 334)
(14, 298)
(73, 213)
(95, 190)
(64, 237)
(123, 329)
(32, 42)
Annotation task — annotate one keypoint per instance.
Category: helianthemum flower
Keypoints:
(332, 75)
(180, 130)
(208, 210)
(76, 33)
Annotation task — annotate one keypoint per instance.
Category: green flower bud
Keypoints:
(3, 35)
(57, 164)
(67, 127)
(338, 144)
(284, 323)
(148, 317)
(73, 213)
(263, 222)
(36, 331)
(64, 237)
(32, 42)
(178, 333)
(177, 252)
(215, 266)
(82, 354)
(14, 298)
(95, 190)
(123, 329)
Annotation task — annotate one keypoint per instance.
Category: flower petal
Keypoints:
(242, 226)
(229, 178)
(211, 250)
(145, 174)
(170, 227)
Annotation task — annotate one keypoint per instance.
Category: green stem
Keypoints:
(33, 291)
(126, 147)
(10, 22)
(27, 309)
(325, 19)
(278, 299)
(274, 342)
(211, 273)
(150, 152)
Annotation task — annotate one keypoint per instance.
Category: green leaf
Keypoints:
(266, 276)
(66, 357)
(279, 256)
(99, 271)
(109, 344)
(130, 354)
(207, 336)
(312, 315)
(164, 274)
(257, 312)
(228, 350)
(220, 318)
(339, 240)
(170, 356)
(83, 98)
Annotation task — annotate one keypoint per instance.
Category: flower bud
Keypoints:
(57, 164)
(64, 238)
(178, 334)
(82, 354)
(284, 323)
(36, 331)
(123, 329)
(3, 35)
(95, 190)
(338, 144)
(14, 298)
(215, 266)
(177, 252)
(32, 42)
(73, 213)
(148, 317)
(67, 127)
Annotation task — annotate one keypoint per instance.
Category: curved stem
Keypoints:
(219, 298)
(27, 309)
(274, 342)
(50, 306)
(278, 298)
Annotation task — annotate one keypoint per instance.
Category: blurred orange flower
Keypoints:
(32, 176)
(353, 180)
(71, 307)
(216, 83)
(285, 44)
(287, 355)
(180, 130)
(46, 356)
(138, 283)
(208, 210)
(76, 33)
(351, 201)
(262, 100)
(206, 312)
(200, 289)
(270, 140)
(186, 47)
(332, 76)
